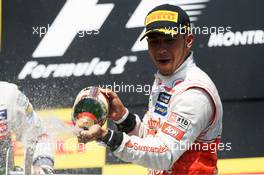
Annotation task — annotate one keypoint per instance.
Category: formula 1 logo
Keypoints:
(75, 16)
(192, 7)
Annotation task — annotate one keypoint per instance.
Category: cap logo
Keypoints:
(162, 15)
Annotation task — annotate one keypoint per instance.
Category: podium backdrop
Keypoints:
(52, 49)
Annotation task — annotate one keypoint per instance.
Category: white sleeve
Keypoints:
(29, 128)
(173, 138)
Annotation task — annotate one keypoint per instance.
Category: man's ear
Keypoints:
(189, 40)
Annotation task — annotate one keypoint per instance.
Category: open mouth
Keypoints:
(164, 61)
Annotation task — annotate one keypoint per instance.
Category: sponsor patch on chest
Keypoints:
(183, 122)
(172, 131)
(179, 121)
(164, 97)
(161, 109)
(3, 122)
(3, 114)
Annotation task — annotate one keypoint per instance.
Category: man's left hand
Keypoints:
(93, 133)
(42, 169)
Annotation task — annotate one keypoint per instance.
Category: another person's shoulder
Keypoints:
(9, 87)
(5, 84)
(10, 91)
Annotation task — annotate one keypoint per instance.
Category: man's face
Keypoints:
(167, 52)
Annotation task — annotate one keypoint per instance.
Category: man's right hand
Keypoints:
(117, 110)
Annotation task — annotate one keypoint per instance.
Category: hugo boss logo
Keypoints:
(164, 97)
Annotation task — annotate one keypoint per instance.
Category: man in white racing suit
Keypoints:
(17, 116)
(181, 131)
